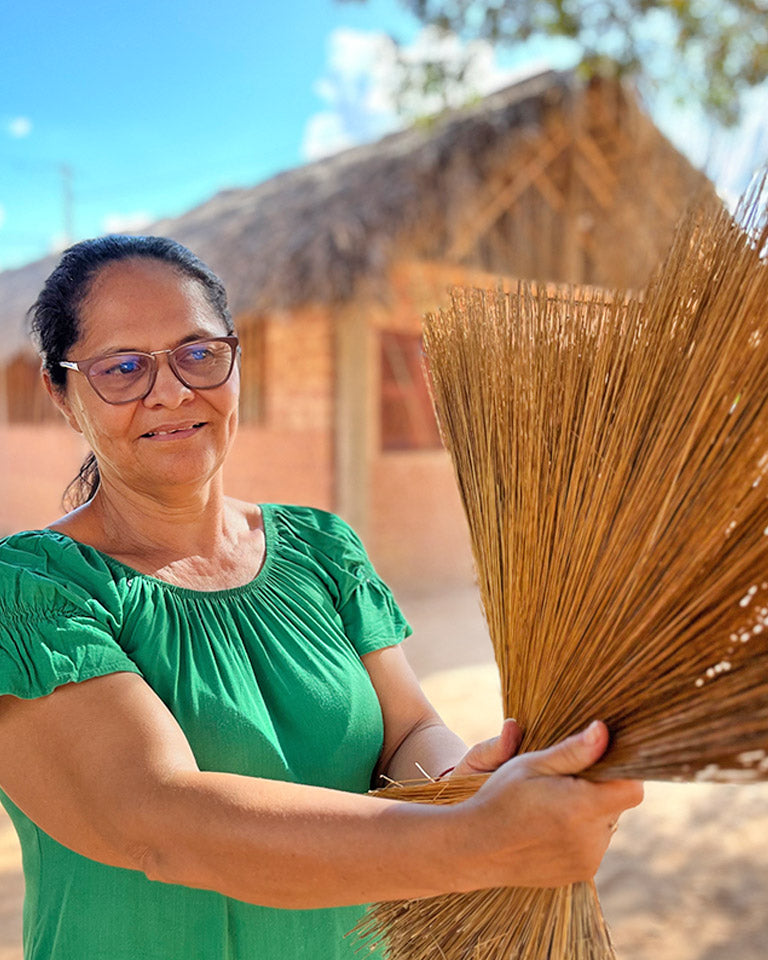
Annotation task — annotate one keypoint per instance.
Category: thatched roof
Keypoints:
(316, 233)
(18, 289)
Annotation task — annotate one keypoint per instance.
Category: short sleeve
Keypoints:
(365, 604)
(60, 614)
(372, 619)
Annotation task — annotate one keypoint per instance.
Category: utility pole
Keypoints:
(67, 205)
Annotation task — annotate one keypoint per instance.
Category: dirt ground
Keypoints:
(685, 878)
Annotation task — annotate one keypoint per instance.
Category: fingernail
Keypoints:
(592, 733)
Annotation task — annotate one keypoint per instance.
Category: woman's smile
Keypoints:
(173, 431)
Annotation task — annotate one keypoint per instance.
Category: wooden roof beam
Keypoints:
(505, 198)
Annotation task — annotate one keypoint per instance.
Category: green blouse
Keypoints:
(265, 680)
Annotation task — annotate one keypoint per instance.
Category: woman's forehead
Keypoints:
(132, 302)
(140, 278)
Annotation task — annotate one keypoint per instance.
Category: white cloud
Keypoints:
(477, 60)
(19, 127)
(356, 90)
(59, 242)
(324, 134)
(363, 78)
(126, 222)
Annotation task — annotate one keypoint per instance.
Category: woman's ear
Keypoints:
(59, 398)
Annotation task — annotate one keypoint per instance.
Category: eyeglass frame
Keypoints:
(84, 366)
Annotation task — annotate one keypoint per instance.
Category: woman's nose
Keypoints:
(167, 390)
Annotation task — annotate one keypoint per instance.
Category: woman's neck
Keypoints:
(163, 525)
(202, 542)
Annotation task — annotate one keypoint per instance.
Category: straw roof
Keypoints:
(18, 289)
(314, 233)
(327, 230)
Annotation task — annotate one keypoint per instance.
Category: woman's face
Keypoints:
(175, 435)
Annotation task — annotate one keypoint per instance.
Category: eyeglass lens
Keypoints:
(123, 377)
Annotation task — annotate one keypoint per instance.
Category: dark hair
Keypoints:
(55, 316)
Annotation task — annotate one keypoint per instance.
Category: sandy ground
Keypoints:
(685, 877)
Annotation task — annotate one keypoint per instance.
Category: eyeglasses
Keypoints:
(125, 377)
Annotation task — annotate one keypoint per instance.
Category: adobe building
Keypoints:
(330, 268)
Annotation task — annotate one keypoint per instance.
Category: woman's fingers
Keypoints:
(489, 755)
(572, 755)
(576, 754)
(545, 825)
(510, 737)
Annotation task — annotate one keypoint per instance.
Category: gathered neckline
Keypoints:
(270, 544)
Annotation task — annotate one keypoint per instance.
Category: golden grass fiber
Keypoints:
(612, 458)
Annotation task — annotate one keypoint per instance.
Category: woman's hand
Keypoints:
(488, 755)
(542, 825)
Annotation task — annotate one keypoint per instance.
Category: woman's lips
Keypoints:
(173, 431)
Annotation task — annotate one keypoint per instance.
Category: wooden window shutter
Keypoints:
(407, 419)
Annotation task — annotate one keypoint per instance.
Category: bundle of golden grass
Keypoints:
(612, 458)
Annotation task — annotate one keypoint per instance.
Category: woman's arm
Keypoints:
(103, 767)
(416, 740)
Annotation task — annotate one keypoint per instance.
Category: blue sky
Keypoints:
(154, 106)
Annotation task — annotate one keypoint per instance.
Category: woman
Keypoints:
(198, 690)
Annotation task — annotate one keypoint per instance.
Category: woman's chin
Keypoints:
(193, 469)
